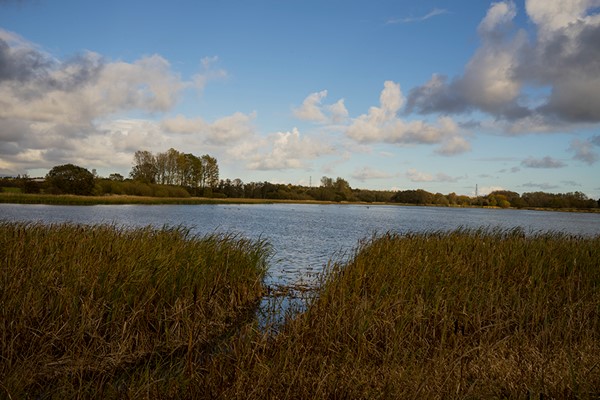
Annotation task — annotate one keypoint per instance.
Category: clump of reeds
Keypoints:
(463, 314)
(108, 312)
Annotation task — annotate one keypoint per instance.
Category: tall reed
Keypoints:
(106, 312)
(464, 314)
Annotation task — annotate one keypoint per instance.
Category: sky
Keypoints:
(441, 95)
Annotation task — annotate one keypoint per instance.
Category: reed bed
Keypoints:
(101, 312)
(76, 200)
(106, 312)
(463, 314)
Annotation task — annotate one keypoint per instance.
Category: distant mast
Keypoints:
(476, 191)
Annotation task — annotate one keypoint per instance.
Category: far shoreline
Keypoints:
(77, 200)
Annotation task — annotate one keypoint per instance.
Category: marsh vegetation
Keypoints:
(159, 313)
(106, 312)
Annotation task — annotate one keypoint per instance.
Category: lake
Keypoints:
(305, 236)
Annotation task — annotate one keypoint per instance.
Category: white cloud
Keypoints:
(284, 150)
(382, 124)
(499, 14)
(416, 176)
(338, 111)
(223, 131)
(368, 173)
(584, 151)
(562, 59)
(310, 110)
(59, 110)
(453, 146)
(313, 110)
(553, 15)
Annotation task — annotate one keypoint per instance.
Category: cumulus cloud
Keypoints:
(584, 151)
(545, 162)
(416, 176)
(56, 110)
(223, 131)
(368, 173)
(382, 124)
(282, 150)
(453, 146)
(488, 82)
(563, 57)
(313, 109)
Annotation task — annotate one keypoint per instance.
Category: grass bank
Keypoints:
(466, 314)
(101, 312)
(74, 200)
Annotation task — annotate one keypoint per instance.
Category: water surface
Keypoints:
(305, 236)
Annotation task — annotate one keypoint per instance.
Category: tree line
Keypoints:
(177, 174)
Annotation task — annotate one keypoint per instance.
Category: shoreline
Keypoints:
(76, 200)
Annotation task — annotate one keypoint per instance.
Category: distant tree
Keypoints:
(70, 179)
(210, 172)
(440, 199)
(418, 196)
(326, 182)
(513, 198)
(144, 168)
(343, 191)
(31, 186)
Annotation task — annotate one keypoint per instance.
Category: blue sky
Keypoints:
(439, 95)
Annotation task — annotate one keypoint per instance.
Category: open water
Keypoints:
(305, 237)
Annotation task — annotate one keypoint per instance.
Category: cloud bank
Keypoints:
(563, 58)
(57, 111)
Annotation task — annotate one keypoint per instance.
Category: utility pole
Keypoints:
(476, 191)
(310, 181)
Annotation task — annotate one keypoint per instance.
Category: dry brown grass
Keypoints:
(107, 312)
(466, 314)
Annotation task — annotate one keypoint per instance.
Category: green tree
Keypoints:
(210, 172)
(144, 168)
(343, 191)
(70, 179)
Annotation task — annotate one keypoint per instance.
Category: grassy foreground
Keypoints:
(466, 314)
(98, 312)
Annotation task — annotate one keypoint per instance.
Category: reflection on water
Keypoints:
(305, 237)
